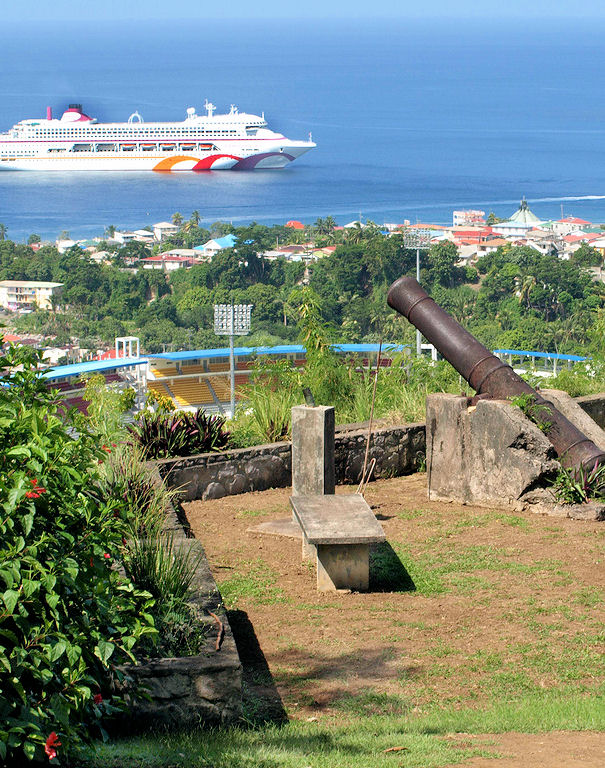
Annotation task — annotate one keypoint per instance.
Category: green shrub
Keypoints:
(265, 416)
(167, 435)
(67, 616)
(156, 565)
(106, 408)
(166, 571)
(181, 631)
(578, 486)
(145, 500)
(584, 378)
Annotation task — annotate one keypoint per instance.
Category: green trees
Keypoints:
(442, 261)
(587, 256)
(518, 293)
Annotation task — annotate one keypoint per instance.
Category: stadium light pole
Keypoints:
(232, 320)
(420, 239)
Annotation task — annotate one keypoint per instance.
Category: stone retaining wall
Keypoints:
(397, 450)
(192, 690)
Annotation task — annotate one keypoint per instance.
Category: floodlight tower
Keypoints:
(420, 239)
(232, 320)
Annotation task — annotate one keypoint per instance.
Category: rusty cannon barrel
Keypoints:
(486, 373)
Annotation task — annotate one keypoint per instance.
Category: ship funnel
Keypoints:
(49, 113)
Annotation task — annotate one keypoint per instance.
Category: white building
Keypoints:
(25, 295)
(569, 224)
(164, 229)
(464, 218)
(212, 247)
(123, 237)
(65, 245)
(167, 262)
(144, 236)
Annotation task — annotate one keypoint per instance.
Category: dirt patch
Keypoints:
(570, 749)
(467, 604)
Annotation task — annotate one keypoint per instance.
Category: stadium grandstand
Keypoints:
(195, 378)
(201, 378)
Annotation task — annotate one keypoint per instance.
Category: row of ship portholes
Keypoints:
(141, 147)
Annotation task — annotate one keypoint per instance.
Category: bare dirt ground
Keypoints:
(466, 605)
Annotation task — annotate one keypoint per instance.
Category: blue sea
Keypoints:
(412, 119)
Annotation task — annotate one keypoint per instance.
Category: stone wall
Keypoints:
(594, 405)
(397, 450)
(203, 689)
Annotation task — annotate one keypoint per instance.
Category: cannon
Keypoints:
(487, 374)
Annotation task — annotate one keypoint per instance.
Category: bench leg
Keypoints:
(343, 566)
(309, 551)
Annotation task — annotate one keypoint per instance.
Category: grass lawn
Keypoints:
(438, 738)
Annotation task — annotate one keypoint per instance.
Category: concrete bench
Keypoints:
(337, 531)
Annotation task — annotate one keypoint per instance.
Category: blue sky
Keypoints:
(59, 10)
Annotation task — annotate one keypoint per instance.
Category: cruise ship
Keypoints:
(77, 142)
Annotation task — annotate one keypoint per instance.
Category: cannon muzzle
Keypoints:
(486, 373)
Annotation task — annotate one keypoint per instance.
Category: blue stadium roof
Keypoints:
(548, 355)
(284, 349)
(92, 366)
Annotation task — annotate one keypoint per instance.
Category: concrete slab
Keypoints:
(283, 527)
(342, 519)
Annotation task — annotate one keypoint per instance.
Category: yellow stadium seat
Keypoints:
(191, 392)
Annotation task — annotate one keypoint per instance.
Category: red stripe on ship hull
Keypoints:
(207, 162)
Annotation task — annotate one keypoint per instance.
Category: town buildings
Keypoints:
(26, 295)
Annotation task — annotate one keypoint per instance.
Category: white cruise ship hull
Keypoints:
(233, 158)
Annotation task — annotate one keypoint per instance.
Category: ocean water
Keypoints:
(412, 119)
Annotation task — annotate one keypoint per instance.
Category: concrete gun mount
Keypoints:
(486, 373)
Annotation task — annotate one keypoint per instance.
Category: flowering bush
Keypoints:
(67, 617)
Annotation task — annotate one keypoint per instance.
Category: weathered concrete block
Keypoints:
(313, 450)
(343, 567)
(576, 414)
(486, 454)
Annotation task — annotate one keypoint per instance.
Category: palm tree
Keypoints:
(177, 219)
(320, 227)
(529, 283)
(3, 231)
(195, 218)
(110, 231)
(355, 234)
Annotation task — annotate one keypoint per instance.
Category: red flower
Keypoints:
(97, 698)
(51, 742)
(107, 555)
(106, 449)
(36, 491)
